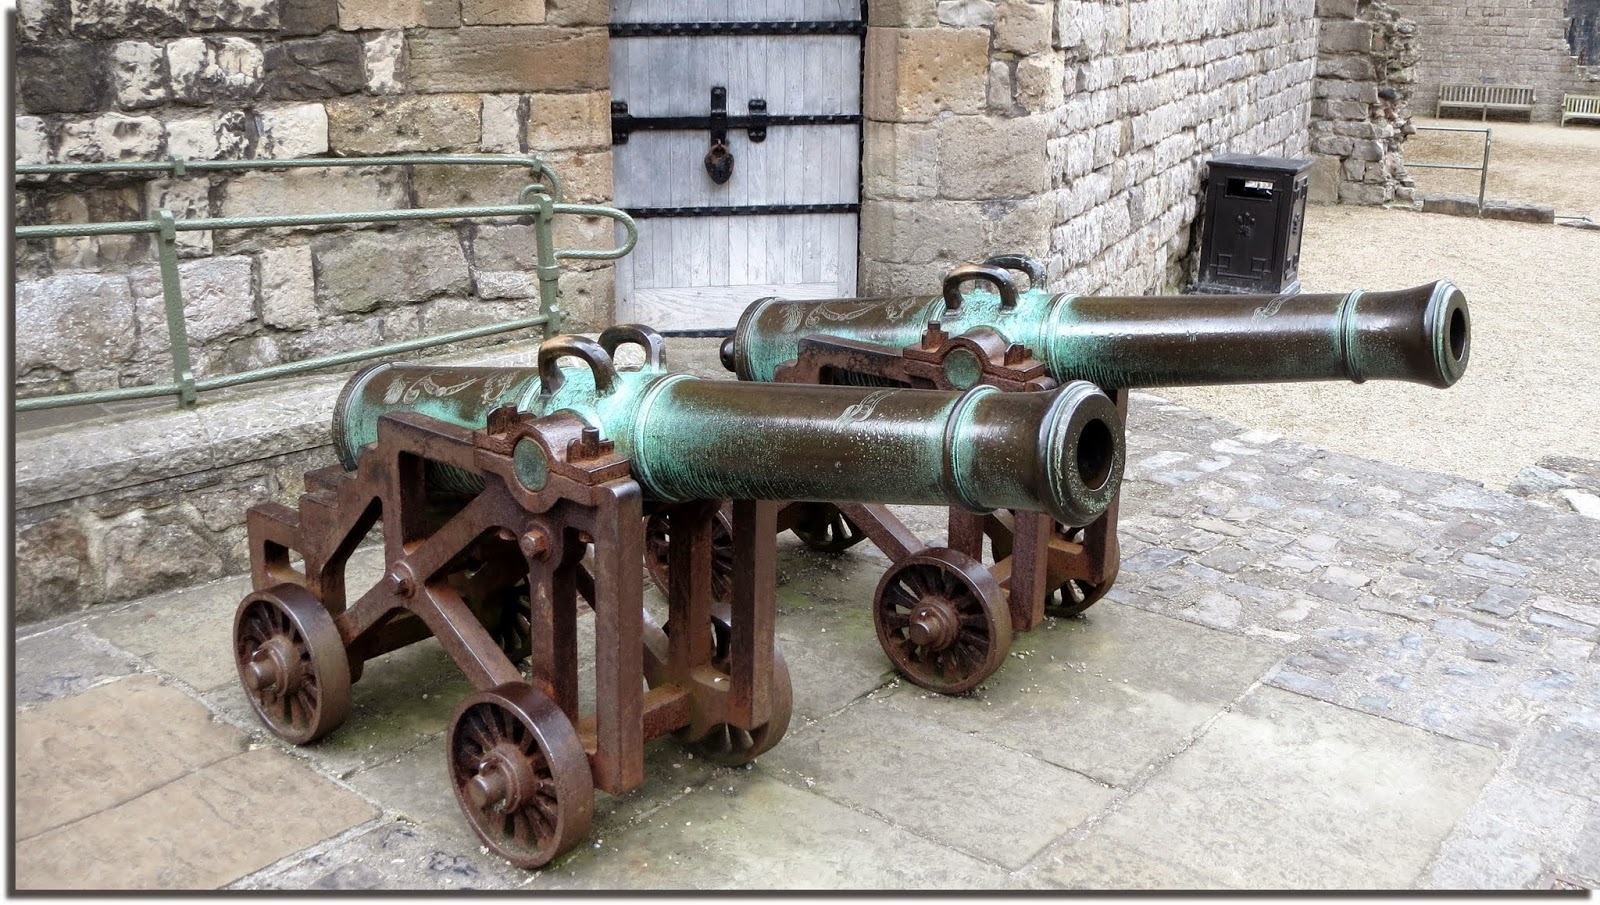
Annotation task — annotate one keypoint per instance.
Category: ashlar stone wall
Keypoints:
(1499, 42)
(1073, 130)
(140, 80)
(1366, 73)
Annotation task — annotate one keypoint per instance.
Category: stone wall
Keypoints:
(1366, 70)
(289, 79)
(1498, 42)
(1074, 130)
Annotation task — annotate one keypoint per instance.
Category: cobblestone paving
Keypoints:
(1314, 670)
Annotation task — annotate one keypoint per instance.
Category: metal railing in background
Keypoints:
(1483, 177)
(538, 200)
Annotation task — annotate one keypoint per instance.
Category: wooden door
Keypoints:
(785, 220)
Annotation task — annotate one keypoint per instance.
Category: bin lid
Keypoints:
(1260, 162)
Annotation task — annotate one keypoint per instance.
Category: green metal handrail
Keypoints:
(536, 200)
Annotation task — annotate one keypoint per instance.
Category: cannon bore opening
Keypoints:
(1096, 452)
(1458, 333)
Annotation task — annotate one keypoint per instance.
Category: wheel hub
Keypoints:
(272, 667)
(934, 624)
(504, 777)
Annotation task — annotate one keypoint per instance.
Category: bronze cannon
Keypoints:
(997, 335)
(506, 495)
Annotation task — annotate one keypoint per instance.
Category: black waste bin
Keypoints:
(1255, 210)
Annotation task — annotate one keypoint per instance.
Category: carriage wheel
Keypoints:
(292, 663)
(1076, 595)
(823, 528)
(730, 746)
(658, 541)
(520, 774)
(942, 619)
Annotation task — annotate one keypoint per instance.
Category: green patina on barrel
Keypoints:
(1421, 335)
(1059, 452)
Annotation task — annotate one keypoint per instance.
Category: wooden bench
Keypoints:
(1484, 98)
(1580, 106)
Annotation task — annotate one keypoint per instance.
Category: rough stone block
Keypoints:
(1455, 205)
(916, 74)
(120, 18)
(577, 12)
(569, 121)
(1337, 9)
(1001, 89)
(235, 15)
(901, 161)
(366, 14)
(146, 552)
(1039, 83)
(502, 12)
(32, 141)
(1521, 213)
(139, 74)
(922, 232)
(585, 175)
(1353, 68)
(288, 291)
(502, 119)
(292, 130)
(73, 321)
(108, 205)
(302, 191)
(588, 298)
(188, 199)
(509, 58)
(448, 315)
(1325, 180)
(64, 77)
(984, 158)
(1345, 37)
(111, 137)
(1022, 27)
(384, 61)
(210, 136)
(218, 299)
(209, 70)
(326, 66)
(960, 14)
(307, 17)
(360, 272)
(1361, 193)
(43, 20)
(53, 567)
(418, 123)
(902, 14)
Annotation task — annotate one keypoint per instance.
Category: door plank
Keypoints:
(711, 306)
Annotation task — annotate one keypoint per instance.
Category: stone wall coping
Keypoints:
(120, 451)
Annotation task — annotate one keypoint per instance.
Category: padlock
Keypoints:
(719, 162)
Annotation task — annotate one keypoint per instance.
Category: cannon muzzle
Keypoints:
(1421, 335)
(1059, 452)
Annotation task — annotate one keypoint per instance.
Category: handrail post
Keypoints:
(172, 297)
(1483, 178)
(549, 269)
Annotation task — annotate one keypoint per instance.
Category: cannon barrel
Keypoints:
(1421, 335)
(1059, 452)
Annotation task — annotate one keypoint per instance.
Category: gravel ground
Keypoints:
(1531, 163)
(1532, 386)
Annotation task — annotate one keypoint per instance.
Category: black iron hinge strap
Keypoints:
(748, 210)
(735, 29)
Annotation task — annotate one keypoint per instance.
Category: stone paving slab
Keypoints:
(1286, 793)
(82, 754)
(1106, 695)
(956, 787)
(62, 662)
(203, 830)
(755, 832)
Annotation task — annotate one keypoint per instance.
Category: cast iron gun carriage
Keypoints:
(506, 494)
(1015, 340)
